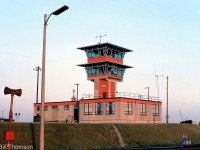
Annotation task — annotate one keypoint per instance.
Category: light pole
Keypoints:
(77, 91)
(57, 12)
(38, 69)
(148, 91)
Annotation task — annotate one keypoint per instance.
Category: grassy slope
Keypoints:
(158, 134)
(60, 136)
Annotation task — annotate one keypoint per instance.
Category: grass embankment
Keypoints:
(158, 134)
(60, 136)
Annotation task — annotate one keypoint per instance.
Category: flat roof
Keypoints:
(108, 62)
(113, 99)
(105, 44)
(120, 99)
(57, 103)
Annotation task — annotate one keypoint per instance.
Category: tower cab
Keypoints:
(105, 67)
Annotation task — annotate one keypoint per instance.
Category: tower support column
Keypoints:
(104, 88)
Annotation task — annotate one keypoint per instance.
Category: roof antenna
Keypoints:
(100, 36)
(157, 80)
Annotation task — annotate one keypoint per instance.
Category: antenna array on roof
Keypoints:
(100, 36)
(157, 79)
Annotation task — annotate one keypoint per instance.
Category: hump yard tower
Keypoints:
(105, 67)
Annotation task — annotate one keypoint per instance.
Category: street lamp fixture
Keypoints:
(57, 12)
(60, 10)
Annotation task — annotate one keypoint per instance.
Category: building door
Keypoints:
(104, 94)
(76, 113)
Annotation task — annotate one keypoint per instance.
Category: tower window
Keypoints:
(105, 68)
(96, 52)
(92, 53)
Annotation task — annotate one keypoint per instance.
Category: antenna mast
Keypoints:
(167, 115)
(100, 36)
(157, 80)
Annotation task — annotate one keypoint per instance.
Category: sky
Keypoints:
(163, 34)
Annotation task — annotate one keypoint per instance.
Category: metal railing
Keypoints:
(121, 95)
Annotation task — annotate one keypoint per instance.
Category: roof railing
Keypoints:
(120, 95)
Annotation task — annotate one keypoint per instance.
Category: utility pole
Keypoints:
(167, 115)
(38, 69)
(148, 91)
(77, 91)
(157, 79)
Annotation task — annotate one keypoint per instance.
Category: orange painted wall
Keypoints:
(103, 87)
(104, 58)
(118, 78)
(106, 86)
(112, 89)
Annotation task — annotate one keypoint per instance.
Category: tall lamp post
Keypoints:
(57, 12)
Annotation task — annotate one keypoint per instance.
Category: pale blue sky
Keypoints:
(161, 33)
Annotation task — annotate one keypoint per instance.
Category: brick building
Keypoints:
(105, 68)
